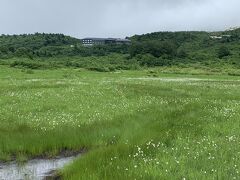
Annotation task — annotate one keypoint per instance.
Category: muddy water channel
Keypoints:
(37, 169)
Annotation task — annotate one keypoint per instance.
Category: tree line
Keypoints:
(153, 49)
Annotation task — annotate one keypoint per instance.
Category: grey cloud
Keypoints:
(116, 18)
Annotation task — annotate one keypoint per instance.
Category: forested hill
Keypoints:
(183, 36)
(36, 41)
(39, 44)
(153, 49)
(179, 37)
(161, 48)
(50, 45)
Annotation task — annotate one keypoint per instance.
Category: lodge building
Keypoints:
(103, 41)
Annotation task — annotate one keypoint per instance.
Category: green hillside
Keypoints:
(188, 47)
(211, 49)
(48, 45)
(34, 44)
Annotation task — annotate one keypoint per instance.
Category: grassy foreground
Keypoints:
(135, 126)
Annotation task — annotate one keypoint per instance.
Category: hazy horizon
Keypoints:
(116, 18)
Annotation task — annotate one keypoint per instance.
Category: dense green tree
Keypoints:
(24, 52)
(155, 48)
(182, 53)
(223, 51)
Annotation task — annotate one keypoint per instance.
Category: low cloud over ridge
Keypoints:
(116, 18)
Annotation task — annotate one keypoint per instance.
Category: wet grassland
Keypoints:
(134, 125)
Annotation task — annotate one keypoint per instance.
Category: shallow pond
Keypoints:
(37, 169)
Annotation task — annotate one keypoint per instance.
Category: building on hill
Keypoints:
(233, 28)
(220, 37)
(103, 41)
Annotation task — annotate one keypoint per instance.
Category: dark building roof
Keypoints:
(97, 39)
(108, 39)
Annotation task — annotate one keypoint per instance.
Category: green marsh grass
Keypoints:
(134, 126)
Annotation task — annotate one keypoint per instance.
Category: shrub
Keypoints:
(99, 69)
(30, 64)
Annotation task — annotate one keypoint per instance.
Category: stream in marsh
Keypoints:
(37, 169)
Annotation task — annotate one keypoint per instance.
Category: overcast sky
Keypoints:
(116, 18)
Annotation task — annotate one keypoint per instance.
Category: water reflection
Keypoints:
(34, 169)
